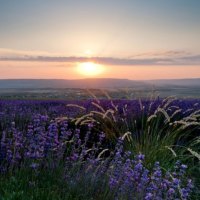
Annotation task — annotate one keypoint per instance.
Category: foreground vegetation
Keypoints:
(100, 149)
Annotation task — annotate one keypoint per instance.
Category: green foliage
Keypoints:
(52, 185)
(160, 136)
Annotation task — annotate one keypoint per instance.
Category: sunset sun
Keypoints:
(90, 69)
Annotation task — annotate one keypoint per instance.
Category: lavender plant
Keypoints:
(42, 150)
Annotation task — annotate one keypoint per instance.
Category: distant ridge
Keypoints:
(92, 83)
(62, 83)
(177, 82)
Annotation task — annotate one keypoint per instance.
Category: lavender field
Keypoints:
(100, 149)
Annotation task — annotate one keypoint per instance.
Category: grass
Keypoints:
(25, 184)
(159, 136)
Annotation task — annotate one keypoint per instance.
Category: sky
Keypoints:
(73, 39)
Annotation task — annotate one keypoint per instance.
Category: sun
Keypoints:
(90, 69)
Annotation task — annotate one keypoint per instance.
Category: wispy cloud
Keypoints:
(161, 54)
(158, 58)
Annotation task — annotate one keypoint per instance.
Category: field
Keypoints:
(100, 149)
(115, 93)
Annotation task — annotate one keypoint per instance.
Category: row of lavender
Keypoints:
(17, 110)
(37, 134)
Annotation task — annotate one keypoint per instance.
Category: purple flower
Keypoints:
(171, 191)
(74, 157)
(176, 182)
(183, 167)
(140, 157)
(149, 196)
(34, 165)
(113, 182)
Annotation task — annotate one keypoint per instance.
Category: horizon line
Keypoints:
(98, 79)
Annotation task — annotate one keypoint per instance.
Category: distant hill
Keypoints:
(93, 83)
(176, 82)
(61, 83)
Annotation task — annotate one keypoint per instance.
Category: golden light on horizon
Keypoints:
(90, 69)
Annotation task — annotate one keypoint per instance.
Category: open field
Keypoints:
(114, 93)
(82, 89)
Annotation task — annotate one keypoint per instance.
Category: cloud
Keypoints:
(159, 58)
(161, 54)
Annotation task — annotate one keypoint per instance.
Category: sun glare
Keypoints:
(90, 69)
(88, 52)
